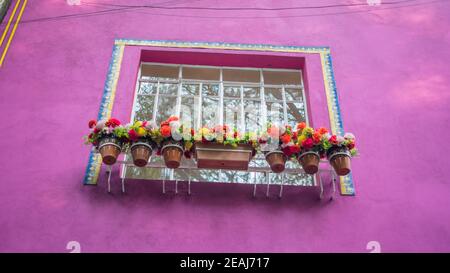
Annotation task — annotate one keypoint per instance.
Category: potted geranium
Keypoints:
(172, 147)
(339, 150)
(142, 143)
(107, 136)
(277, 144)
(311, 147)
(223, 148)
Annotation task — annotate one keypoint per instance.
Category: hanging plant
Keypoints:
(172, 145)
(108, 136)
(310, 142)
(141, 134)
(339, 150)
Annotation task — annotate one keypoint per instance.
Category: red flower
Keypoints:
(187, 154)
(96, 130)
(301, 126)
(144, 124)
(158, 152)
(226, 128)
(112, 122)
(316, 137)
(291, 150)
(92, 123)
(333, 140)
(294, 135)
(192, 132)
(322, 130)
(172, 118)
(285, 138)
(308, 143)
(133, 135)
(351, 145)
(166, 131)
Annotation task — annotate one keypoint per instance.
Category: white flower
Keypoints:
(349, 136)
(340, 139)
(174, 124)
(282, 130)
(209, 137)
(176, 135)
(151, 125)
(100, 125)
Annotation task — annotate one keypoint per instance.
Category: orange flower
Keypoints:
(301, 126)
(165, 131)
(285, 138)
(172, 118)
(322, 130)
(316, 137)
(273, 131)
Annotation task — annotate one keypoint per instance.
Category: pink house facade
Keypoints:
(378, 71)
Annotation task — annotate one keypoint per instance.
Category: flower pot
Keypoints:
(219, 156)
(340, 160)
(141, 153)
(276, 160)
(172, 155)
(309, 161)
(109, 148)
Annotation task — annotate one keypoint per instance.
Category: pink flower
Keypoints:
(308, 143)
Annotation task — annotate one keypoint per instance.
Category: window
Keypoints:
(244, 98)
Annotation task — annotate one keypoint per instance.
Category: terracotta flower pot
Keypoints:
(309, 161)
(276, 160)
(219, 156)
(141, 153)
(109, 149)
(340, 160)
(172, 155)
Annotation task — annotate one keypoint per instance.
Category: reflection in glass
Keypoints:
(252, 114)
(295, 113)
(147, 88)
(166, 108)
(210, 115)
(232, 91)
(293, 94)
(143, 108)
(232, 113)
(168, 89)
(210, 90)
(273, 93)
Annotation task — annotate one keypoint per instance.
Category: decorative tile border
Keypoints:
(94, 164)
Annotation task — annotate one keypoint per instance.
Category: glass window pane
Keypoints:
(241, 75)
(159, 71)
(293, 94)
(190, 107)
(168, 89)
(273, 93)
(232, 113)
(210, 90)
(295, 113)
(281, 77)
(232, 91)
(147, 88)
(275, 112)
(166, 108)
(252, 92)
(190, 89)
(252, 112)
(201, 73)
(143, 108)
(210, 115)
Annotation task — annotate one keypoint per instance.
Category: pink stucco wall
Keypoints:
(391, 68)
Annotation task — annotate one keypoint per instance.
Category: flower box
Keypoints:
(219, 156)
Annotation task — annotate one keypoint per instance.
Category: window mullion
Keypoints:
(180, 87)
(155, 105)
(263, 100)
(283, 94)
(221, 98)
(242, 110)
(200, 108)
